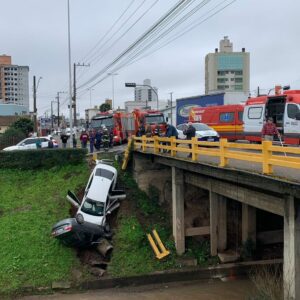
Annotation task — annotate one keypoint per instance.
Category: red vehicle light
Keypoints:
(68, 228)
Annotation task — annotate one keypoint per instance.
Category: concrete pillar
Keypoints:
(213, 213)
(291, 250)
(248, 223)
(178, 209)
(222, 223)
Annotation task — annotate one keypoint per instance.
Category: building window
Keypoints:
(238, 80)
(240, 72)
(220, 87)
(221, 80)
(238, 87)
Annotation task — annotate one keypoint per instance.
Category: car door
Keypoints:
(29, 144)
(291, 124)
(179, 128)
(44, 142)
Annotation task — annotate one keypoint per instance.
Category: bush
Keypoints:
(11, 137)
(23, 124)
(44, 158)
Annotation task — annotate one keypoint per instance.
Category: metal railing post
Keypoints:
(266, 154)
(194, 148)
(143, 143)
(173, 146)
(156, 150)
(223, 150)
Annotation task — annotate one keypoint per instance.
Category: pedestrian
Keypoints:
(64, 138)
(148, 131)
(74, 141)
(190, 132)
(98, 139)
(111, 138)
(84, 137)
(141, 131)
(38, 143)
(269, 130)
(171, 131)
(92, 141)
(50, 143)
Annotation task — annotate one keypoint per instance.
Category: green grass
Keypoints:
(30, 203)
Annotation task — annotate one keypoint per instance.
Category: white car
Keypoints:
(30, 143)
(100, 197)
(203, 132)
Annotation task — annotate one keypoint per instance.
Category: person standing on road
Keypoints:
(190, 132)
(98, 138)
(50, 143)
(64, 138)
(269, 130)
(171, 131)
(84, 137)
(92, 141)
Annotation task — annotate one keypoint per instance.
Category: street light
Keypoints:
(113, 87)
(133, 84)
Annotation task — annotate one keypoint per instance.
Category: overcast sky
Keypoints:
(34, 33)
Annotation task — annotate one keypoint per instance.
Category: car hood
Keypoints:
(11, 148)
(97, 220)
(206, 133)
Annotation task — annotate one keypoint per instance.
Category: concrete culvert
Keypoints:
(104, 248)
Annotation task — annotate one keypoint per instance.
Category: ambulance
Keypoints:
(283, 107)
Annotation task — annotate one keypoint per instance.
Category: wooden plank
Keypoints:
(192, 231)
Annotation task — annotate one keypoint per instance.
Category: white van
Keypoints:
(284, 108)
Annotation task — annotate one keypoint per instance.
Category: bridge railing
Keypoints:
(264, 153)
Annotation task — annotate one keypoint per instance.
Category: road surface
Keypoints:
(202, 290)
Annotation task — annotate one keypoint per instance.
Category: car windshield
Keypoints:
(92, 207)
(154, 119)
(106, 121)
(201, 127)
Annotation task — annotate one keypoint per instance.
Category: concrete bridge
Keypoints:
(226, 203)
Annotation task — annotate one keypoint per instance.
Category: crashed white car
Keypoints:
(100, 197)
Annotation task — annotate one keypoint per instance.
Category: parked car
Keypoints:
(203, 132)
(74, 234)
(100, 199)
(30, 143)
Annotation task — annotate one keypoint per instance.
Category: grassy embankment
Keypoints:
(132, 254)
(31, 202)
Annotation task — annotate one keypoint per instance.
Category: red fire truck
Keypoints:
(112, 121)
(151, 119)
(227, 120)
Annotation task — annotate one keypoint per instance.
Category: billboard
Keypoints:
(184, 105)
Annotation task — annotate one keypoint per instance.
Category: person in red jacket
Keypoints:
(269, 130)
(84, 137)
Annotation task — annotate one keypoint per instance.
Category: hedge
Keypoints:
(41, 158)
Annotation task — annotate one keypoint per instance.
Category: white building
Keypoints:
(90, 113)
(14, 83)
(226, 70)
(145, 92)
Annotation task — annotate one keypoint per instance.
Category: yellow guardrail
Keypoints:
(264, 153)
(157, 246)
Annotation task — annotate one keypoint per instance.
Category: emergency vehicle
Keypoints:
(153, 118)
(113, 121)
(227, 120)
(283, 107)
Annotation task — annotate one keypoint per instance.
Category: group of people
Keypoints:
(95, 138)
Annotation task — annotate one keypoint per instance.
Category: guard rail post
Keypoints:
(156, 144)
(173, 146)
(143, 143)
(223, 152)
(194, 148)
(266, 154)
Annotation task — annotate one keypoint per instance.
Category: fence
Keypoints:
(6, 141)
(265, 153)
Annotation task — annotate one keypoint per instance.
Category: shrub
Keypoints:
(44, 158)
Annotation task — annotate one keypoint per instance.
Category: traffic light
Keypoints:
(130, 84)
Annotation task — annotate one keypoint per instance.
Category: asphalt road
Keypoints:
(202, 290)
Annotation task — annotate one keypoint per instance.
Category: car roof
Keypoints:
(100, 186)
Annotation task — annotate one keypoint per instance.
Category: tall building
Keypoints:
(144, 93)
(226, 70)
(14, 85)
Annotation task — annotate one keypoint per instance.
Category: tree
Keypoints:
(105, 107)
(23, 124)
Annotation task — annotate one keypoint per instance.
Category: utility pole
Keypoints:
(51, 117)
(34, 105)
(258, 94)
(74, 88)
(58, 104)
(171, 94)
